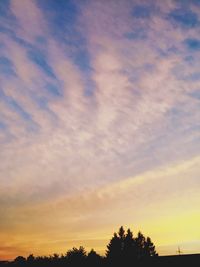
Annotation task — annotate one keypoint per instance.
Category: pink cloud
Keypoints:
(29, 18)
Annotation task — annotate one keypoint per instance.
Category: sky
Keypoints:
(99, 124)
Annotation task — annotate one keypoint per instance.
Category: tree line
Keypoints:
(123, 250)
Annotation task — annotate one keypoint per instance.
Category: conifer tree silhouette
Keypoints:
(93, 259)
(124, 250)
(129, 248)
(76, 256)
(149, 248)
(140, 245)
(113, 253)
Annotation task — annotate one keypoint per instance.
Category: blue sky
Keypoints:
(99, 107)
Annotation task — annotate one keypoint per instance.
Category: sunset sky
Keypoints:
(99, 124)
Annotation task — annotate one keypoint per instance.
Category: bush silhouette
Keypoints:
(20, 260)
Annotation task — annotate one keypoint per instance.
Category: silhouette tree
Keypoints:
(30, 259)
(55, 257)
(129, 248)
(149, 248)
(123, 249)
(76, 256)
(20, 260)
(121, 233)
(93, 259)
(140, 244)
(113, 253)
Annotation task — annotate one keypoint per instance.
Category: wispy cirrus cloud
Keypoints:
(93, 93)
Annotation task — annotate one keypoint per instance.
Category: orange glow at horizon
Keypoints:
(170, 221)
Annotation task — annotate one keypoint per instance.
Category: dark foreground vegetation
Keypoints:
(123, 250)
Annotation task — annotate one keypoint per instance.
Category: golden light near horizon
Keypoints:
(99, 124)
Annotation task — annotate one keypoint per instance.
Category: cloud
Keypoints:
(29, 19)
(73, 129)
